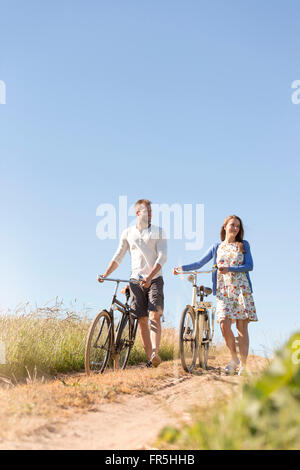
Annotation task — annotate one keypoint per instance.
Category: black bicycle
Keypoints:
(111, 339)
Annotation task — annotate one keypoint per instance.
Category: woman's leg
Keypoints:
(242, 327)
(225, 325)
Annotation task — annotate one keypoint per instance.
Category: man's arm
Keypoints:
(118, 256)
(111, 267)
(147, 282)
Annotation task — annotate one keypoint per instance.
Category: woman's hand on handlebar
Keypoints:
(177, 270)
(101, 277)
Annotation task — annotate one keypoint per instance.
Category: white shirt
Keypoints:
(146, 248)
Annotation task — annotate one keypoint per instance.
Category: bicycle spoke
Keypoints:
(187, 341)
(124, 342)
(98, 344)
(204, 345)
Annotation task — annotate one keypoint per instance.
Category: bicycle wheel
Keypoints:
(124, 341)
(98, 343)
(204, 336)
(188, 343)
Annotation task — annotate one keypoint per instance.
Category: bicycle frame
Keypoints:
(194, 274)
(116, 304)
(202, 316)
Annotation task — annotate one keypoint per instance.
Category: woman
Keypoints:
(233, 288)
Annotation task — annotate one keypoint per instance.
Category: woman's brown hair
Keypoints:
(239, 237)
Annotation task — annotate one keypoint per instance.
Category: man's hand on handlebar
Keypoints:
(146, 283)
(110, 269)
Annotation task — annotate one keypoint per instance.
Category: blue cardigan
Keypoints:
(212, 254)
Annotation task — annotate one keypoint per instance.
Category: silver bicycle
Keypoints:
(196, 329)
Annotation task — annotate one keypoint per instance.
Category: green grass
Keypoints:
(267, 416)
(51, 340)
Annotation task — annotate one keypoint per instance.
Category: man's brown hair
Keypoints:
(146, 202)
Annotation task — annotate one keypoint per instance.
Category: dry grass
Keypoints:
(43, 340)
(50, 340)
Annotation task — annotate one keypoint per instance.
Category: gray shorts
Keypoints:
(148, 299)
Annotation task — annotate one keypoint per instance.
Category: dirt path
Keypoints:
(135, 422)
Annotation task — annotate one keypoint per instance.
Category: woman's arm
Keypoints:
(248, 261)
(207, 257)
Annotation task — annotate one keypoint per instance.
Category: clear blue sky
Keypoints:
(175, 101)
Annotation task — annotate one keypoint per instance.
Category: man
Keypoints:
(148, 250)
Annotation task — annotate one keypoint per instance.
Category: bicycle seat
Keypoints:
(204, 290)
(125, 290)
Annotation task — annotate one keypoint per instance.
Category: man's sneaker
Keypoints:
(149, 364)
(231, 367)
(155, 360)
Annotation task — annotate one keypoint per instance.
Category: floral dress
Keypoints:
(234, 297)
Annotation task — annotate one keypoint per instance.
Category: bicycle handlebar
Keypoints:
(134, 281)
(215, 268)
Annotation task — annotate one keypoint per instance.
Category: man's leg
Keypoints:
(155, 329)
(155, 306)
(145, 335)
(139, 306)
